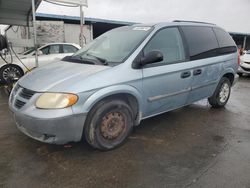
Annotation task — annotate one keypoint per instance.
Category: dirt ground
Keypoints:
(195, 146)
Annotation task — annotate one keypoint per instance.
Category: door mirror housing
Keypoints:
(39, 52)
(149, 58)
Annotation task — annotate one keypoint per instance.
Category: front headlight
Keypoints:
(56, 100)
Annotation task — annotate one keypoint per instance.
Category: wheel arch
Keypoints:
(230, 76)
(126, 93)
(14, 65)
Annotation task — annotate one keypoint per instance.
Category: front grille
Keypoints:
(247, 62)
(19, 104)
(246, 69)
(20, 96)
(26, 94)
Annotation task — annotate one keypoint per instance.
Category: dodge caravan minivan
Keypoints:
(124, 76)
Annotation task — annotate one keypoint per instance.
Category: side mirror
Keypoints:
(39, 52)
(151, 57)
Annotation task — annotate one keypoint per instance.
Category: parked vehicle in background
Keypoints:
(46, 54)
(10, 56)
(244, 67)
(124, 76)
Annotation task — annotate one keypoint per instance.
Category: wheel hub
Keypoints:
(11, 73)
(224, 93)
(112, 125)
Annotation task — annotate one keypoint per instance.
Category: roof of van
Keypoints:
(175, 23)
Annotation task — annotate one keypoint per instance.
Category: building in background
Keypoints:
(242, 40)
(57, 28)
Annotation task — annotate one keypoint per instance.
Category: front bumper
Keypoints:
(243, 71)
(51, 130)
(56, 126)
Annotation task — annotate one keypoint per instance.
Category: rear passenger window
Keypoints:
(69, 49)
(169, 42)
(54, 49)
(201, 41)
(226, 43)
(224, 38)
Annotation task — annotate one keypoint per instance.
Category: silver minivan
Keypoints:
(124, 76)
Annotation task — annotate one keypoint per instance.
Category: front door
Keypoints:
(166, 84)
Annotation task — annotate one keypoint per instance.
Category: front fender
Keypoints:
(112, 90)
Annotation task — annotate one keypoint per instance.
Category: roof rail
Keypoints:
(193, 22)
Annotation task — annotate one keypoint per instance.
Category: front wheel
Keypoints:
(108, 124)
(10, 72)
(221, 95)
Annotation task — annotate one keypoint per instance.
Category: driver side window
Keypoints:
(169, 42)
(54, 49)
(45, 50)
(51, 49)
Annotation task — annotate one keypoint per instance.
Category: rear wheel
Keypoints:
(108, 124)
(221, 95)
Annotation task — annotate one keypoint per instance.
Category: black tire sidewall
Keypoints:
(92, 130)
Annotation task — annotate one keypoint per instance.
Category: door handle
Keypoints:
(185, 74)
(197, 72)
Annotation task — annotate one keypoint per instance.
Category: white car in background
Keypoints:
(46, 54)
(244, 67)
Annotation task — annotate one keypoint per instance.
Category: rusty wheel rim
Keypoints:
(112, 125)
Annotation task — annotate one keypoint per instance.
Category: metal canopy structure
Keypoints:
(16, 12)
(81, 4)
(73, 2)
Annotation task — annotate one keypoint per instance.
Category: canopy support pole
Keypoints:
(244, 42)
(81, 25)
(34, 31)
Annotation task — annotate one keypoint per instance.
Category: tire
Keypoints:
(108, 124)
(9, 72)
(240, 74)
(221, 95)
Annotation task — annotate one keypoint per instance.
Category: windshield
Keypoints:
(114, 46)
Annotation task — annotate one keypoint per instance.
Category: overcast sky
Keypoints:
(233, 15)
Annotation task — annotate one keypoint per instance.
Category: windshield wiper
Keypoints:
(85, 60)
(78, 59)
(102, 60)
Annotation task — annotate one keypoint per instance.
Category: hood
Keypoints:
(59, 76)
(8, 59)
